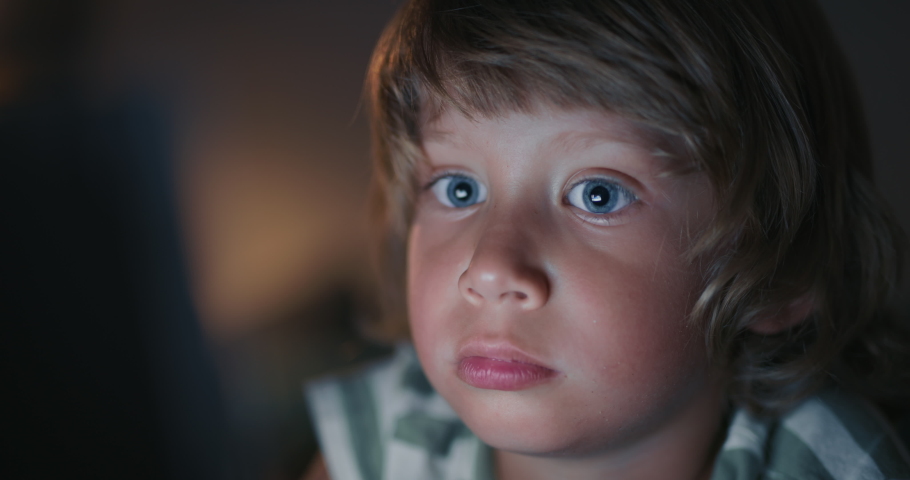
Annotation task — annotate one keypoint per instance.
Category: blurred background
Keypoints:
(184, 187)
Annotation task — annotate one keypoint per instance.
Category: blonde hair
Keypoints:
(761, 98)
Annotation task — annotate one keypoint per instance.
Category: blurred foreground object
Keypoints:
(103, 363)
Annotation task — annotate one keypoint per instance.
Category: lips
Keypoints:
(504, 369)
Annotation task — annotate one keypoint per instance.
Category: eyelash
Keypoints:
(439, 176)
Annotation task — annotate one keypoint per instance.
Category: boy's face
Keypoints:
(547, 286)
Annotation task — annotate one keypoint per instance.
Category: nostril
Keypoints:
(516, 295)
(525, 287)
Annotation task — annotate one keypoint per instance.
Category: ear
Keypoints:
(788, 317)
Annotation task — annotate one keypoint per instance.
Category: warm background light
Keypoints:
(272, 147)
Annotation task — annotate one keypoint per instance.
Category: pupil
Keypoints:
(599, 196)
(463, 190)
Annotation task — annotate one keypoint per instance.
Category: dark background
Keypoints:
(247, 165)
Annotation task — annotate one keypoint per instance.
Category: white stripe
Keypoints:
(332, 429)
(405, 461)
(747, 433)
(461, 464)
(827, 437)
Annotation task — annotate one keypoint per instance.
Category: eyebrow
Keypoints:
(574, 140)
(658, 146)
(568, 140)
(439, 136)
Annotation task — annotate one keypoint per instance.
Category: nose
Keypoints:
(500, 272)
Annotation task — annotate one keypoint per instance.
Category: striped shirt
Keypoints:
(386, 423)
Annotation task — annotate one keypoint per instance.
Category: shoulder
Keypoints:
(832, 435)
(386, 421)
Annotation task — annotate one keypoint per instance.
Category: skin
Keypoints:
(601, 299)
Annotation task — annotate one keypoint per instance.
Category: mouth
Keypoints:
(505, 369)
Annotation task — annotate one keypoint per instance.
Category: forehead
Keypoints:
(451, 126)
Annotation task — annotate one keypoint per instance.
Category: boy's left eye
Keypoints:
(599, 196)
(459, 191)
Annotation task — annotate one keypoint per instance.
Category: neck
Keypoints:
(681, 449)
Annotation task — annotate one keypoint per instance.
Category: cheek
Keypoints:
(434, 264)
(629, 318)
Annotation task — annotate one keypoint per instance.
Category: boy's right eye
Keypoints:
(458, 191)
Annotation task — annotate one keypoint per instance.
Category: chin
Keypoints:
(511, 425)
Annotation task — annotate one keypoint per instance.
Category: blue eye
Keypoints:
(458, 191)
(599, 196)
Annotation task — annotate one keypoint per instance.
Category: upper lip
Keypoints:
(503, 351)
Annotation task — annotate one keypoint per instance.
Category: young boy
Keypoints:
(641, 242)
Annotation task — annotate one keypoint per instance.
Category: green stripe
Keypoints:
(414, 379)
(790, 458)
(433, 434)
(867, 431)
(483, 469)
(360, 409)
(736, 464)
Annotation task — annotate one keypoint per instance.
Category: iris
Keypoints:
(458, 191)
(599, 196)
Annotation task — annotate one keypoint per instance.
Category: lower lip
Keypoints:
(493, 374)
